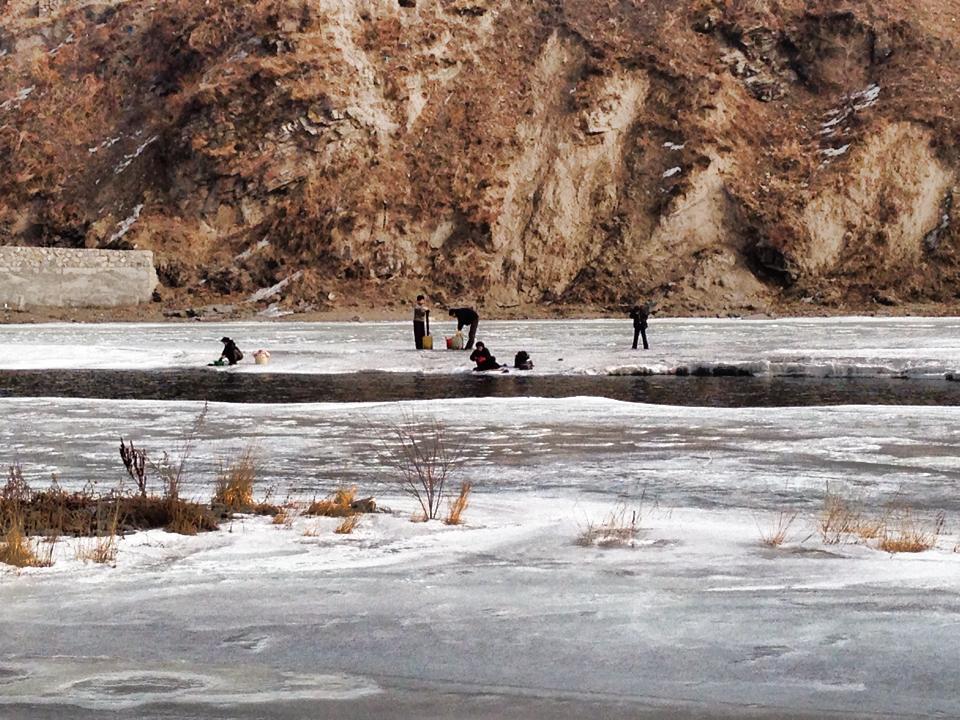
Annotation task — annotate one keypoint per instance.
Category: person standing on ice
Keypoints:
(421, 319)
(467, 316)
(639, 315)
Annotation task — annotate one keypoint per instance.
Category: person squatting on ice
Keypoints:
(640, 313)
(484, 360)
(421, 314)
(231, 353)
(522, 361)
(467, 316)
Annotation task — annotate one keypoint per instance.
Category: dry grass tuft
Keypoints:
(912, 534)
(17, 550)
(313, 531)
(234, 486)
(348, 525)
(103, 551)
(458, 505)
(282, 518)
(775, 534)
(871, 528)
(340, 504)
(620, 528)
(838, 519)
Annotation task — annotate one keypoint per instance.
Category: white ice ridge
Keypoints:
(124, 227)
(128, 159)
(21, 95)
(264, 293)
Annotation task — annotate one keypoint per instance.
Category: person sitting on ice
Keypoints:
(522, 361)
(231, 353)
(484, 360)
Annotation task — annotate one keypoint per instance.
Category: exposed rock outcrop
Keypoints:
(719, 155)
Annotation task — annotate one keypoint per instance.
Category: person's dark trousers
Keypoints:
(639, 332)
(473, 334)
(419, 330)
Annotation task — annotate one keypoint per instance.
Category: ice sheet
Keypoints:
(697, 613)
(835, 347)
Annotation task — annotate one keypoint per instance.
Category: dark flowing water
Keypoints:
(383, 387)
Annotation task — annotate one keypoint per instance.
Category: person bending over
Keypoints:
(484, 360)
(467, 316)
(231, 353)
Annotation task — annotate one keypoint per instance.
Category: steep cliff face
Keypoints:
(718, 155)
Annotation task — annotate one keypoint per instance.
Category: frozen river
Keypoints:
(844, 347)
(505, 616)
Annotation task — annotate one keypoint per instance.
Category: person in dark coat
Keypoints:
(231, 353)
(421, 321)
(484, 360)
(639, 314)
(467, 316)
(522, 361)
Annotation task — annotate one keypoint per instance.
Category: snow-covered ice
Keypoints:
(505, 615)
(836, 347)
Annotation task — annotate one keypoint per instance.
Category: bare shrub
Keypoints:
(135, 461)
(423, 458)
(620, 528)
(908, 533)
(775, 533)
(458, 505)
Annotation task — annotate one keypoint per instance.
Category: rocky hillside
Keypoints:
(720, 155)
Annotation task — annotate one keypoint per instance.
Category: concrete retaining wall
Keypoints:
(59, 277)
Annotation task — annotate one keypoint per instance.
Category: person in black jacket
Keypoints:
(484, 360)
(522, 361)
(231, 353)
(639, 314)
(467, 316)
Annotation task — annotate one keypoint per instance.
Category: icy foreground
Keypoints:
(505, 616)
(844, 347)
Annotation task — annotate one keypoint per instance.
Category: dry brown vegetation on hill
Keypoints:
(722, 155)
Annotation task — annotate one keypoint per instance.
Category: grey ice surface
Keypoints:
(506, 617)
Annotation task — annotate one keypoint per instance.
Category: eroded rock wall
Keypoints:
(716, 155)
